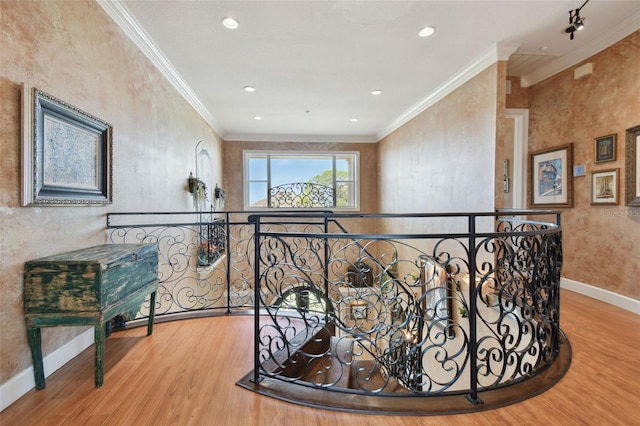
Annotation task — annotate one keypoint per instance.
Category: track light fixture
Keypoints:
(576, 23)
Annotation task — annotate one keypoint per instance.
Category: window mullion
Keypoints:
(269, 181)
(333, 179)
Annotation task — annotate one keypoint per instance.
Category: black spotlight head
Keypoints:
(575, 21)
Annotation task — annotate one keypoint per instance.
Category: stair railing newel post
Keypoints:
(256, 285)
(326, 269)
(555, 265)
(228, 249)
(558, 289)
(473, 312)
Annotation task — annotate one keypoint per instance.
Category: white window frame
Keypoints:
(247, 154)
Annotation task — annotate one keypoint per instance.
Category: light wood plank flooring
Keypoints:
(185, 374)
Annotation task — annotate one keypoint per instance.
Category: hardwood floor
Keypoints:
(185, 374)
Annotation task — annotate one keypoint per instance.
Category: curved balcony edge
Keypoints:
(403, 404)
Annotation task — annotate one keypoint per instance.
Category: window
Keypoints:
(289, 180)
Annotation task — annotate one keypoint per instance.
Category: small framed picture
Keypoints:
(605, 149)
(359, 310)
(604, 187)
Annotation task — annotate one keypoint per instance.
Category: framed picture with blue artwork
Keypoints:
(66, 153)
(551, 182)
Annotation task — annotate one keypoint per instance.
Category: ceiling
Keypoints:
(314, 64)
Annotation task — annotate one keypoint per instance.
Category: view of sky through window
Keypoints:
(298, 168)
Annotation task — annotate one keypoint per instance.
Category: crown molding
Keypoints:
(252, 137)
(505, 50)
(623, 29)
(498, 52)
(121, 15)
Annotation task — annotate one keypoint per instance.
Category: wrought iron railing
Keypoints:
(446, 313)
(469, 303)
(302, 195)
(205, 259)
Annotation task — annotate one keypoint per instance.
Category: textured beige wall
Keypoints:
(73, 51)
(443, 160)
(519, 96)
(232, 154)
(503, 138)
(601, 243)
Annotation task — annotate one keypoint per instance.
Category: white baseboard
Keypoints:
(23, 382)
(603, 295)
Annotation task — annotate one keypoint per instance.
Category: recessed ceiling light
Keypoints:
(249, 89)
(376, 92)
(544, 48)
(230, 23)
(257, 117)
(353, 120)
(426, 31)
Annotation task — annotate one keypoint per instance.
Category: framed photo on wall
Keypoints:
(66, 153)
(359, 309)
(632, 167)
(604, 187)
(550, 184)
(604, 149)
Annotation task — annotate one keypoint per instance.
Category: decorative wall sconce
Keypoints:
(218, 198)
(198, 189)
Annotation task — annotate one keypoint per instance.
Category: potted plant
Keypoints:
(198, 189)
(205, 252)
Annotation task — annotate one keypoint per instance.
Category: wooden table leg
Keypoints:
(152, 312)
(35, 341)
(99, 364)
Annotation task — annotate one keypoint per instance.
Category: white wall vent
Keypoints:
(583, 71)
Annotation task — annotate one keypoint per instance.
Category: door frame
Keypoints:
(520, 148)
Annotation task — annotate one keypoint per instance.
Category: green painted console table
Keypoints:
(87, 287)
